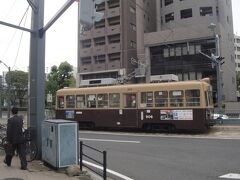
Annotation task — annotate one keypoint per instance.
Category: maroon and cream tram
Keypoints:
(185, 105)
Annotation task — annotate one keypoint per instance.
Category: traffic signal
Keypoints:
(219, 59)
(88, 14)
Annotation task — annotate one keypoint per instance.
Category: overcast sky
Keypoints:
(61, 38)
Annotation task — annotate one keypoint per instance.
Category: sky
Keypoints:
(61, 38)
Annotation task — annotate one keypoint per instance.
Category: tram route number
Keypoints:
(149, 116)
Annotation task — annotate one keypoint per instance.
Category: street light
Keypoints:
(218, 64)
(9, 88)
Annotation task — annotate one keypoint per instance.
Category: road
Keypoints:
(142, 156)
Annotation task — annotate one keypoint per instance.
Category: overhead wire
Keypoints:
(20, 41)
(14, 34)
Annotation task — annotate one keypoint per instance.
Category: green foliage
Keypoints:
(19, 86)
(58, 78)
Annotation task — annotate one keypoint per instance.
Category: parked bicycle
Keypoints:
(3, 129)
(31, 147)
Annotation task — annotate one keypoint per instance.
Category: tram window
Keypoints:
(176, 98)
(130, 101)
(161, 98)
(114, 100)
(80, 101)
(192, 97)
(61, 102)
(102, 100)
(146, 99)
(91, 100)
(70, 101)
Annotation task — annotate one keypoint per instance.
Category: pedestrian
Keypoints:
(15, 138)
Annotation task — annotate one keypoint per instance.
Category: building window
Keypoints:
(100, 7)
(169, 17)
(113, 4)
(186, 13)
(100, 24)
(114, 57)
(206, 11)
(168, 2)
(133, 26)
(114, 21)
(114, 39)
(165, 52)
(86, 60)
(99, 41)
(86, 43)
(133, 44)
(99, 59)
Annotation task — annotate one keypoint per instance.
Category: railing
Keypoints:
(104, 163)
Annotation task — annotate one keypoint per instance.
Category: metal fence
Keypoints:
(103, 163)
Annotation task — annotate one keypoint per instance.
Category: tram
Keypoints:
(183, 105)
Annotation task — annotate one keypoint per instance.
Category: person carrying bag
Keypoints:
(15, 140)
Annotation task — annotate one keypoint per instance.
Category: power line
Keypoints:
(19, 45)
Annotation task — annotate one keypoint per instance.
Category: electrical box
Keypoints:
(60, 143)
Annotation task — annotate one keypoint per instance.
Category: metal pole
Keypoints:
(37, 76)
(9, 92)
(81, 152)
(219, 77)
(105, 165)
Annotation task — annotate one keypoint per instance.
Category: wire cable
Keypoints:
(19, 45)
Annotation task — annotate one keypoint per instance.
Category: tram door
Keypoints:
(128, 115)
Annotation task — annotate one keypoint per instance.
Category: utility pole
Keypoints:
(217, 62)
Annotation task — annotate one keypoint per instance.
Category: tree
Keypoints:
(19, 86)
(58, 78)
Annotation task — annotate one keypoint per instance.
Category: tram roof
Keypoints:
(137, 86)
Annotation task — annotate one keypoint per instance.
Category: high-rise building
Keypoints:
(109, 49)
(184, 29)
(237, 52)
(162, 36)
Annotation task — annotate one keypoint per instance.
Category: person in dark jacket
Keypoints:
(16, 138)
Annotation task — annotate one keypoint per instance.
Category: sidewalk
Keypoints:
(36, 171)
